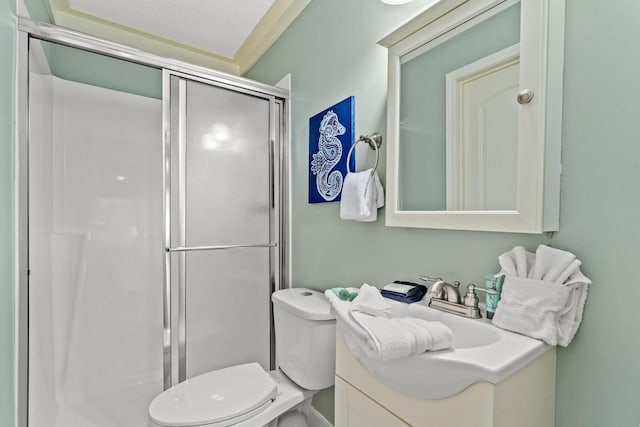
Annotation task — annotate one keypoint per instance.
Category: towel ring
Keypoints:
(375, 141)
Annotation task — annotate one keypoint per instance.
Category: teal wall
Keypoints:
(331, 52)
(7, 126)
(39, 10)
(103, 71)
(93, 69)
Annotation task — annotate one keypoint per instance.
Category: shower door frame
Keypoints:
(172, 340)
(279, 225)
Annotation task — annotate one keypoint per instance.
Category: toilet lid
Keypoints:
(215, 397)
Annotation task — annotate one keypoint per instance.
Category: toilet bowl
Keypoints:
(248, 396)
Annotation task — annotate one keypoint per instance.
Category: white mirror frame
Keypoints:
(540, 121)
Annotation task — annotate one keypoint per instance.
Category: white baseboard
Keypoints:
(316, 419)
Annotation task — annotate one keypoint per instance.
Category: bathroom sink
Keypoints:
(482, 352)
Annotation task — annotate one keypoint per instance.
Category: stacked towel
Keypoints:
(362, 195)
(369, 331)
(543, 294)
(407, 292)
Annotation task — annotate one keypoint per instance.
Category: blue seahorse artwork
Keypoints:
(330, 137)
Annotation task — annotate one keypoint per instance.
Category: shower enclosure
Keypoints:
(151, 226)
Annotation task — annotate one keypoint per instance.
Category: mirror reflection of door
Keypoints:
(482, 133)
(480, 172)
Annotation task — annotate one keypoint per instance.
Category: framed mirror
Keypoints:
(474, 116)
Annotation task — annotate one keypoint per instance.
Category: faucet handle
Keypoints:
(471, 298)
(425, 278)
(473, 287)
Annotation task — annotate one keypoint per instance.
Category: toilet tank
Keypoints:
(305, 337)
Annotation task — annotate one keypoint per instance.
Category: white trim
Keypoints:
(69, 18)
(274, 23)
(537, 145)
(455, 23)
(433, 12)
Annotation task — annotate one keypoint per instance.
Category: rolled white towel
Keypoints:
(517, 262)
(573, 268)
(551, 263)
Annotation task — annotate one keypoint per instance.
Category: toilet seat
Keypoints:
(218, 398)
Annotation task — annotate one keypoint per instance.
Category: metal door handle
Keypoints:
(217, 248)
(525, 96)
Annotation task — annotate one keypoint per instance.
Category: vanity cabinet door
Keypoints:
(355, 409)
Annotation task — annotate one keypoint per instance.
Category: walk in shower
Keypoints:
(151, 226)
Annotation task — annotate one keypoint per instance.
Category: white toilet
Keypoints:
(248, 396)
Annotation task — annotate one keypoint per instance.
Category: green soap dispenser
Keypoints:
(491, 301)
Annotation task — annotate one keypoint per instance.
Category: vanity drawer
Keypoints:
(355, 409)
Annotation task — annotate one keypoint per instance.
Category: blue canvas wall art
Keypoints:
(331, 134)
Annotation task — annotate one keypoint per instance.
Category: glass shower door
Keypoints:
(222, 241)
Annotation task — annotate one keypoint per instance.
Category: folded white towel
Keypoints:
(546, 303)
(570, 317)
(362, 195)
(573, 268)
(369, 300)
(531, 307)
(397, 338)
(541, 309)
(551, 263)
(369, 332)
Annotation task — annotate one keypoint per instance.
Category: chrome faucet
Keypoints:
(446, 297)
(443, 290)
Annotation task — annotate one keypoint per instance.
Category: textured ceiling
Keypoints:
(217, 26)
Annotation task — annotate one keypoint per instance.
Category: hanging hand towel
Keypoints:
(375, 199)
(362, 195)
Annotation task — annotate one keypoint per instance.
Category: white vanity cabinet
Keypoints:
(524, 399)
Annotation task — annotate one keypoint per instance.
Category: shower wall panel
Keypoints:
(95, 255)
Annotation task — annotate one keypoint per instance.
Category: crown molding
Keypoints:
(274, 23)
